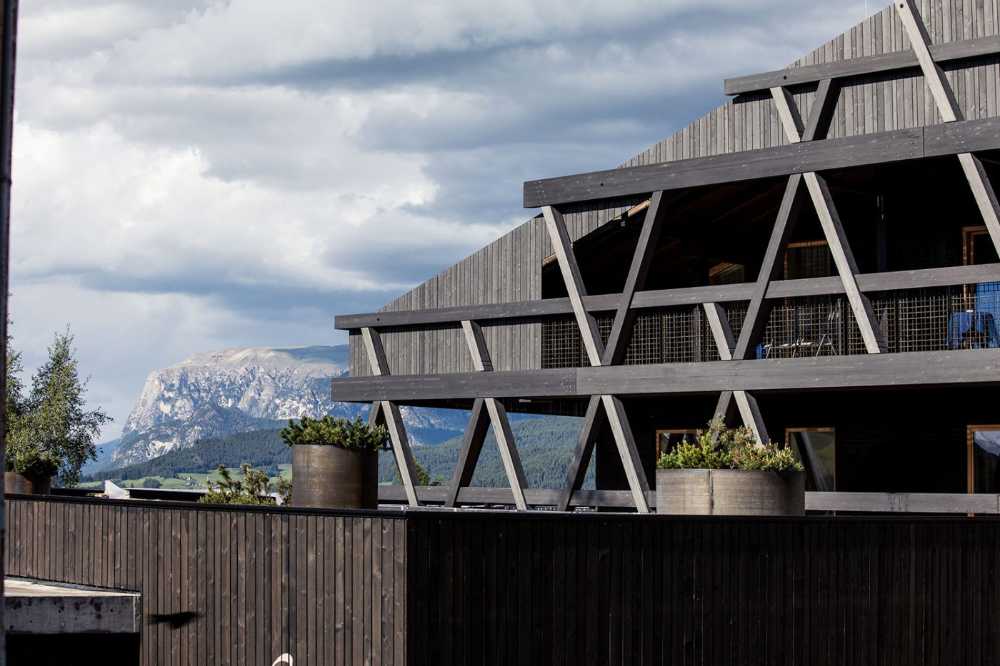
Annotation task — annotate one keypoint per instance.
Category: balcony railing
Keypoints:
(934, 319)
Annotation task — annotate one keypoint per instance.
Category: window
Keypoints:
(983, 456)
(666, 440)
(808, 259)
(817, 449)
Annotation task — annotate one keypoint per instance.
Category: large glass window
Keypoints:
(817, 449)
(984, 458)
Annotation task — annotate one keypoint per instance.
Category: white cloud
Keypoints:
(198, 174)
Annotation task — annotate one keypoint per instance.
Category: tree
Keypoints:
(150, 482)
(55, 419)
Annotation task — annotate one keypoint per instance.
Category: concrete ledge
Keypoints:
(37, 607)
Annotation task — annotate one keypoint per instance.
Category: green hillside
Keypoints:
(545, 445)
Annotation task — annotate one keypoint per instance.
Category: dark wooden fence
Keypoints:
(598, 589)
(434, 587)
(326, 588)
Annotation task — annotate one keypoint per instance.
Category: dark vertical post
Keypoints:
(9, 46)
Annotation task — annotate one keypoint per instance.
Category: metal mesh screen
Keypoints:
(960, 317)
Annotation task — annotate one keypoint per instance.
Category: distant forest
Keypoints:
(545, 445)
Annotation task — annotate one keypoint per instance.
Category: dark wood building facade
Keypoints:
(817, 259)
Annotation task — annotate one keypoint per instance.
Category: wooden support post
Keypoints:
(950, 111)
(389, 412)
(501, 424)
(621, 431)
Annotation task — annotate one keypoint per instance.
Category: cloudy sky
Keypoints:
(191, 176)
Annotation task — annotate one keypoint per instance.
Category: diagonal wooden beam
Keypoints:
(944, 96)
(833, 229)
(577, 471)
(621, 328)
(472, 446)
(722, 333)
(389, 412)
(615, 413)
(563, 248)
(947, 106)
(498, 417)
(847, 267)
(622, 433)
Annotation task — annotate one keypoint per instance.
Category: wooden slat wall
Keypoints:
(510, 268)
(325, 588)
(654, 590)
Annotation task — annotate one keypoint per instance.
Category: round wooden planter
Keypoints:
(332, 477)
(728, 492)
(19, 484)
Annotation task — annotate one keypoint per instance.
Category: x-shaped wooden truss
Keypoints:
(608, 409)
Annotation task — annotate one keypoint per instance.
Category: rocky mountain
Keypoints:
(238, 390)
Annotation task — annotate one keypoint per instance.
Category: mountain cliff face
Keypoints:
(237, 390)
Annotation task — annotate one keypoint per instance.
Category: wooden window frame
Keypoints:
(968, 246)
(794, 245)
(970, 459)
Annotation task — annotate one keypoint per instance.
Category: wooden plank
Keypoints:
(538, 310)
(944, 96)
(834, 153)
(627, 452)
(938, 368)
(882, 63)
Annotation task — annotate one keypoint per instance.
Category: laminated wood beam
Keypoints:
(863, 66)
(939, 368)
(389, 412)
(836, 153)
(536, 310)
(498, 417)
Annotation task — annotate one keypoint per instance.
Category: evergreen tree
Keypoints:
(56, 419)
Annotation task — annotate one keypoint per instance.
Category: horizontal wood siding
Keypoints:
(509, 269)
(502, 589)
(325, 588)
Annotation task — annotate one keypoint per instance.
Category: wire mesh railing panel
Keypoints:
(960, 317)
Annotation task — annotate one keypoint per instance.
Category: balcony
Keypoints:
(937, 319)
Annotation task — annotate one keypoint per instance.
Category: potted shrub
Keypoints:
(725, 471)
(29, 471)
(335, 462)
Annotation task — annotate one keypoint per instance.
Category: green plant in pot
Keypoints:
(335, 462)
(726, 471)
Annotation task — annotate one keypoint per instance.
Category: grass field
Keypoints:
(185, 480)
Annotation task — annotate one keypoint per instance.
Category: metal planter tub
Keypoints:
(19, 484)
(728, 492)
(332, 477)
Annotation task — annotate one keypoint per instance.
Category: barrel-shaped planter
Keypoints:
(332, 477)
(728, 492)
(19, 484)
